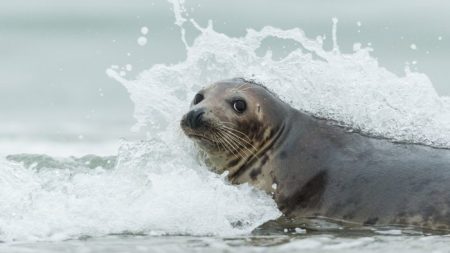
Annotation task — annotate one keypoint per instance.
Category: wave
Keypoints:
(159, 186)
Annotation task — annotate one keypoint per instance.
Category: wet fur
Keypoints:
(314, 168)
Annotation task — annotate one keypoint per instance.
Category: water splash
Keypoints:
(158, 186)
(143, 194)
(351, 89)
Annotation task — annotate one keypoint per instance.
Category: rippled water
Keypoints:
(156, 195)
(278, 243)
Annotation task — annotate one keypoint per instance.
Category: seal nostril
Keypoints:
(198, 119)
(195, 118)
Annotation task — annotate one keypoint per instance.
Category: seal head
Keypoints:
(233, 121)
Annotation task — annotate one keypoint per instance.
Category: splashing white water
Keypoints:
(148, 192)
(158, 186)
(351, 89)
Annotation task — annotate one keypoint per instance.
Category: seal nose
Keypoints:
(194, 118)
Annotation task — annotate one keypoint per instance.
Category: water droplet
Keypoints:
(300, 231)
(142, 41)
(144, 30)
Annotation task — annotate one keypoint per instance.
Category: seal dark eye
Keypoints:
(239, 106)
(198, 98)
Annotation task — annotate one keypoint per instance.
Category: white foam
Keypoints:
(159, 186)
(57, 148)
(349, 88)
(150, 191)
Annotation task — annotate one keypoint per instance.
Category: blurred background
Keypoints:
(55, 97)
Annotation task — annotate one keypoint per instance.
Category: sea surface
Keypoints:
(91, 93)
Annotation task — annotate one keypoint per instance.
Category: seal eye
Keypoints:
(198, 98)
(239, 106)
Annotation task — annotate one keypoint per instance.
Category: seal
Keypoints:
(314, 167)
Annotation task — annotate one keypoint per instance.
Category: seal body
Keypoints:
(315, 168)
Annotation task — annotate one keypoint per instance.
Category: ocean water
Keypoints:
(92, 157)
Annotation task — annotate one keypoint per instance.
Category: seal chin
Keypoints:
(205, 143)
(201, 137)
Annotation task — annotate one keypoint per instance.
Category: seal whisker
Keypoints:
(234, 129)
(208, 138)
(246, 89)
(239, 142)
(246, 140)
(230, 147)
(227, 122)
(214, 136)
(233, 145)
(234, 140)
(230, 142)
(239, 87)
(227, 148)
(220, 141)
(238, 132)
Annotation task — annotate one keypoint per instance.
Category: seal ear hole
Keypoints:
(198, 98)
(239, 105)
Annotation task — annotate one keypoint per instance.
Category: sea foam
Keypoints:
(159, 186)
